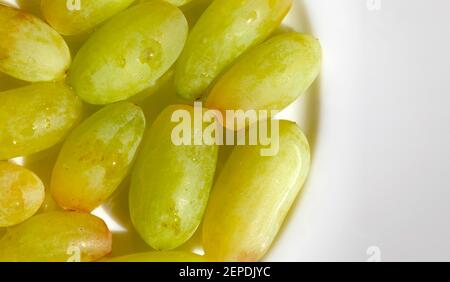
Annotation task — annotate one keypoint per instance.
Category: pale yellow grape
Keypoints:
(34, 118)
(129, 53)
(174, 256)
(252, 197)
(269, 77)
(174, 2)
(49, 204)
(97, 156)
(224, 31)
(170, 184)
(21, 194)
(69, 18)
(31, 50)
(57, 237)
(178, 2)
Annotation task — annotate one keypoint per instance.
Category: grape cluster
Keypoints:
(230, 59)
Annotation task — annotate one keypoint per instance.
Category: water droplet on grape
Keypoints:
(122, 62)
(147, 56)
(253, 17)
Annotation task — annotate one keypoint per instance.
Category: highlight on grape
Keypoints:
(73, 5)
(191, 130)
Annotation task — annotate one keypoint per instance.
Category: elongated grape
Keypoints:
(225, 30)
(49, 204)
(159, 257)
(174, 2)
(252, 196)
(194, 9)
(70, 17)
(178, 2)
(21, 194)
(170, 184)
(31, 50)
(36, 117)
(269, 77)
(57, 237)
(97, 156)
(129, 53)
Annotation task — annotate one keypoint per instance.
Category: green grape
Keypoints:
(268, 77)
(31, 50)
(30, 6)
(129, 53)
(36, 117)
(170, 184)
(225, 30)
(173, 2)
(57, 237)
(71, 17)
(252, 197)
(8, 82)
(97, 156)
(178, 2)
(49, 204)
(159, 257)
(21, 194)
(194, 9)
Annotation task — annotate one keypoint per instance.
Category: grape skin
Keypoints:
(76, 21)
(252, 197)
(170, 185)
(97, 156)
(36, 117)
(178, 2)
(224, 31)
(31, 50)
(57, 237)
(129, 53)
(270, 76)
(21, 194)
